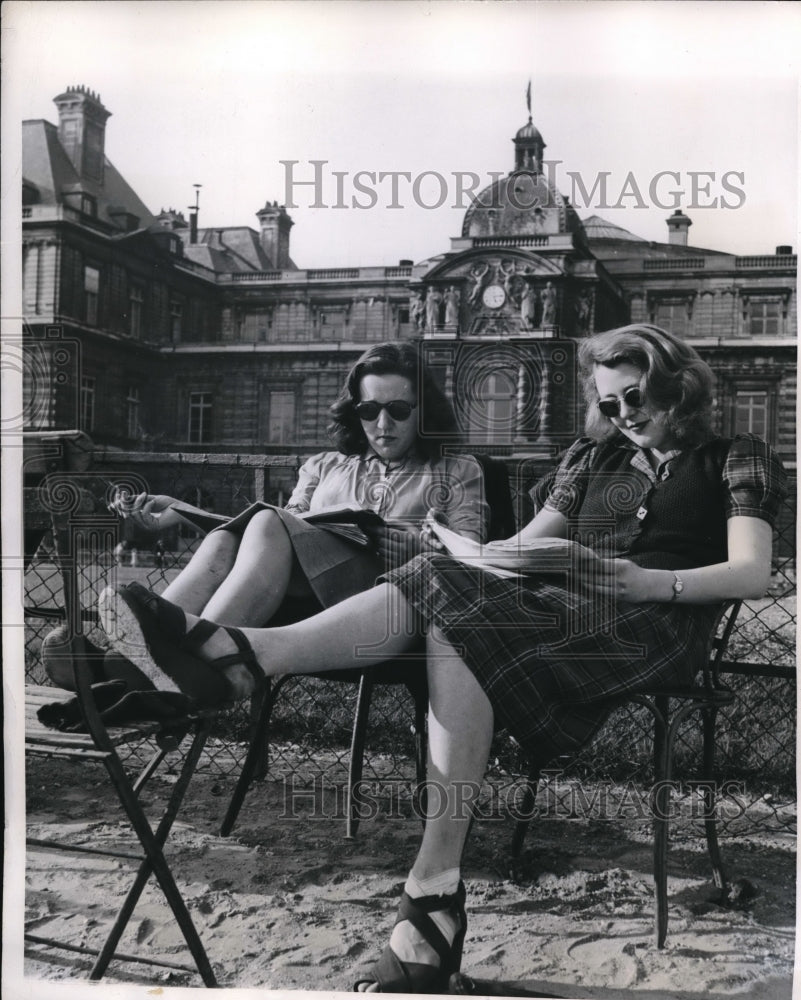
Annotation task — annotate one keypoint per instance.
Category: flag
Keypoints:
(528, 97)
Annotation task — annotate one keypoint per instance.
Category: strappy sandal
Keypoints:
(151, 632)
(394, 976)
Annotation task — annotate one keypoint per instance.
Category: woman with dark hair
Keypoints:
(676, 519)
(390, 424)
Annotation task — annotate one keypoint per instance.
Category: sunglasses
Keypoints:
(633, 398)
(398, 409)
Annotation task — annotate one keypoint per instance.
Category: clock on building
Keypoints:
(494, 296)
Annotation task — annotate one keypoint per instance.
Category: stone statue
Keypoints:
(528, 306)
(417, 310)
(549, 305)
(478, 273)
(452, 298)
(583, 308)
(507, 270)
(433, 303)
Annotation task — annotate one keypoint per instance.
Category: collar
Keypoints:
(371, 458)
(640, 461)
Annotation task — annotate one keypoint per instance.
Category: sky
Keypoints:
(220, 93)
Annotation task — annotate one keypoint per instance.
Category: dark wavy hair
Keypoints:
(436, 422)
(674, 379)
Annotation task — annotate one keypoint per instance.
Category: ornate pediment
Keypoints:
(492, 294)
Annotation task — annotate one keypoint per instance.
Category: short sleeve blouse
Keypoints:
(406, 491)
(681, 510)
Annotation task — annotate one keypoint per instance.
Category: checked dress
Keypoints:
(553, 658)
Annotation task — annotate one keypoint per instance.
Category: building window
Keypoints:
(751, 411)
(87, 403)
(672, 315)
(200, 407)
(492, 408)
(176, 318)
(91, 294)
(88, 205)
(764, 317)
(332, 323)
(753, 405)
(282, 416)
(132, 403)
(135, 300)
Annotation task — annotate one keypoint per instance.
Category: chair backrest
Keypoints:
(499, 497)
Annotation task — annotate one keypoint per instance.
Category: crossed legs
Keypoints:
(366, 630)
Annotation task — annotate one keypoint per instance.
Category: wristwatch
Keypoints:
(678, 586)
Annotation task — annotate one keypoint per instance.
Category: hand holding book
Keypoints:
(512, 557)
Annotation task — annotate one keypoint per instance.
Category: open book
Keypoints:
(513, 557)
(347, 522)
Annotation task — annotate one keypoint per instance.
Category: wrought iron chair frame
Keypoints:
(100, 744)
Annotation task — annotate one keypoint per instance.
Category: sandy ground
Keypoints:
(288, 903)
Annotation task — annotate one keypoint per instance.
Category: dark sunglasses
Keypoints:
(633, 398)
(398, 409)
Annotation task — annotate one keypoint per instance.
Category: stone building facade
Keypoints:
(152, 333)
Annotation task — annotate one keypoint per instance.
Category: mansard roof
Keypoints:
(228, 249)
(46, 166)
(608, 241)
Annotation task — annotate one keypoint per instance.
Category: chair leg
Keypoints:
(356, 764)
(710, 811)
(526, 811)
(663, 766)
(154, 861)
(255, 764)
(421, 750)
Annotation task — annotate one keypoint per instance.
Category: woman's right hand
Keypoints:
(147, 511)
(428, 537)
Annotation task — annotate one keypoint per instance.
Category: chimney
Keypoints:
(194, 211)
(82, 131)
(784, 251)
(275, 225)
(678, 224)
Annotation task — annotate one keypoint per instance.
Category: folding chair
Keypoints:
(101, 743)
(409, 671)
(706, 697)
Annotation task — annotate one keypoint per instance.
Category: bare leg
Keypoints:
(194, 586)
(361, 631)
(257, 583)
(460, 727)
(237, 581)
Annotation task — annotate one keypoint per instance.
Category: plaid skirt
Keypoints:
(553, 659)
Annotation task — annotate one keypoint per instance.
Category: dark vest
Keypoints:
(677, 522)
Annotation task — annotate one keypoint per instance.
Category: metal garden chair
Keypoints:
(95, 742)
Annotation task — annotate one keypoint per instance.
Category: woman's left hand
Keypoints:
(619, 578)
(396, 544)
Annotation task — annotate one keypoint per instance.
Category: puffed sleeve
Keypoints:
(562, 490)
(463, 498)
(308, 480)
(754, 480)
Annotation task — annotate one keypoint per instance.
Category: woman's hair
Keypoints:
(674, 379)
(436, 423)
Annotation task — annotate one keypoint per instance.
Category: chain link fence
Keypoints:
(313, 718)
